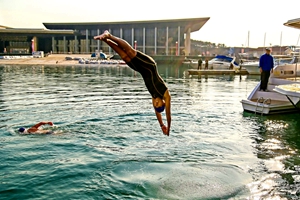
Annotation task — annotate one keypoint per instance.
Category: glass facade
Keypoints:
(156, 37)
(127, 35)
(150, 40)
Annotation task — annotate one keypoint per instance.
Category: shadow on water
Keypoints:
(276, 141)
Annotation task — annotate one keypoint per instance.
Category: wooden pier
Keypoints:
(217, 72)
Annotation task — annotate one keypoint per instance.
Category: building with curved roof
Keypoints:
(154, 37)
(24, 41)
(295, 23)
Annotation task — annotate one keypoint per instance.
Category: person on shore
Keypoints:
(266, 65)
(206, 64)
(241, 64)
(36, 129)
(146, 66)
(199, 64)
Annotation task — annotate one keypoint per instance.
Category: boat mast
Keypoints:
(248, 44)
(297, 56)
(248, 38)
(280, 41)
(264, 42)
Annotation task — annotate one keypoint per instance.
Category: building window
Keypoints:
(93, 33)
(116, 32)
(127, 35)
(172, 39)
(138, 37)
(161, 41)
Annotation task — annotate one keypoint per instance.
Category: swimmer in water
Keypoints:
(146, 66)
(36, 129)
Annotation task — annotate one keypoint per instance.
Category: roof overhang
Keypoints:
(3, 27)
(194, 24)
(294, 23)
(36, 32)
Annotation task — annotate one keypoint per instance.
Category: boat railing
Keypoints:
(259, 100)
(264, 102)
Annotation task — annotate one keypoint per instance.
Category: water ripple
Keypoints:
(110, 144)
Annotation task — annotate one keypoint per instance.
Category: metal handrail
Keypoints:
(264, 102)
(259, 100)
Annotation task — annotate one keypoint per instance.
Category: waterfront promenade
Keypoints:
(53, 59)
(60, 59)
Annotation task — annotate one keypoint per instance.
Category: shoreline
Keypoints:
(53, 59)
(60, 59)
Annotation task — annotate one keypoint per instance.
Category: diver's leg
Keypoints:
(118, 44)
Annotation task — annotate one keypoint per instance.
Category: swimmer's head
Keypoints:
(22, 129)
(158, 104)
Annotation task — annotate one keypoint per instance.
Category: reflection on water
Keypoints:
(112, 146)
(277, 146)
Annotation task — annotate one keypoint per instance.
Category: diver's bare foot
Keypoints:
(103, 36)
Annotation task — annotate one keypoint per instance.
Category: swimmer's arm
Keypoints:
(159, 118)
(36, 127)
(167, 98)
(161, 123)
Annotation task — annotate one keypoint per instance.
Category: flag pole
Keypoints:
(264, 42)
(280, 41)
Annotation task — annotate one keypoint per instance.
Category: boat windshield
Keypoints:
(220, 58)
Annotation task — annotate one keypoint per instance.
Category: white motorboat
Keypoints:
(287, 70)
(220, 62)
(274, 100)
(253, 69)
(192, 63)
(271, 102)
(283, 91)
(101, 62)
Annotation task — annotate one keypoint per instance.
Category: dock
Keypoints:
(217, 72)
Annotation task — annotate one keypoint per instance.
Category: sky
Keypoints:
(235, 23)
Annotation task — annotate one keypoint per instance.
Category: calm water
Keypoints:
(111, 146)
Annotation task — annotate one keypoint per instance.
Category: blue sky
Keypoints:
(230, 21)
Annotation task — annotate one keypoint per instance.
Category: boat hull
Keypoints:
(220, 62)
(253, 107)
(252, 68)
(271, 102)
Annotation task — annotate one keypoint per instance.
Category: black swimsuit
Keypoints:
(146, 66)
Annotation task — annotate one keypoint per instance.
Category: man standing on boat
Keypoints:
(266, 65)
(146, 66)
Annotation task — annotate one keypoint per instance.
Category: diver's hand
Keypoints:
(165, 130)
